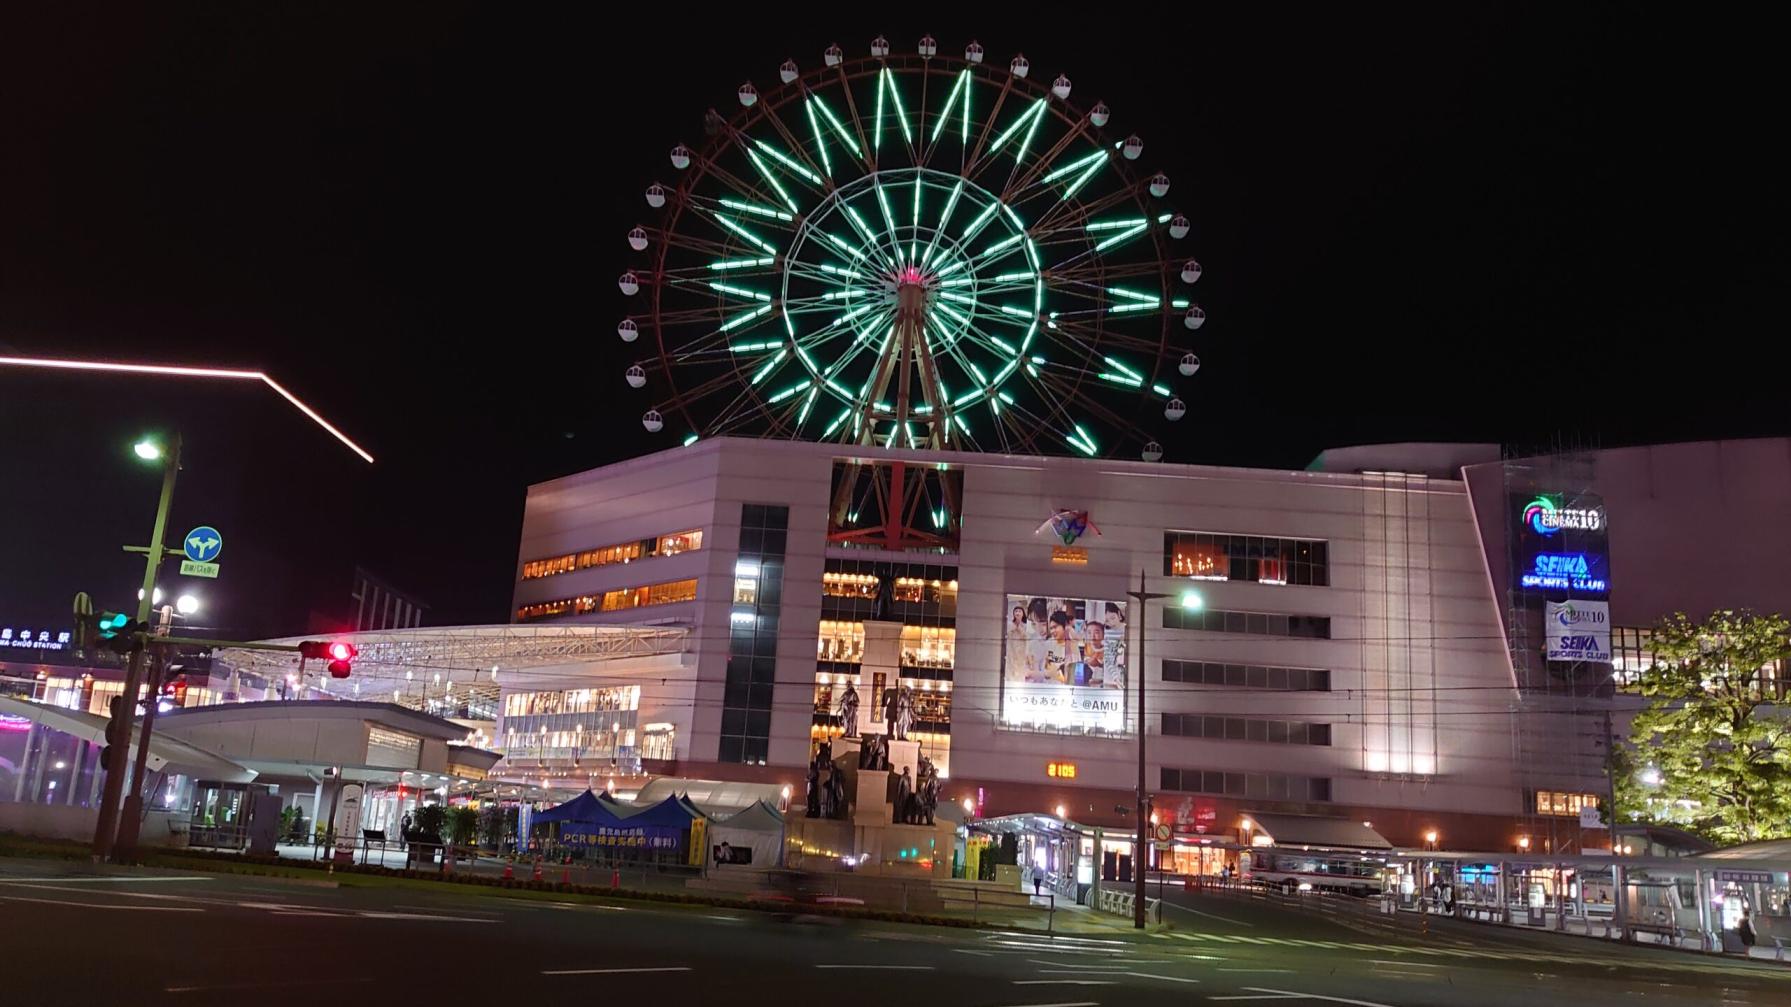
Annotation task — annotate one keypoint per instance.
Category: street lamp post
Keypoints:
(1141, 843)
(117, 756)
(130, 821)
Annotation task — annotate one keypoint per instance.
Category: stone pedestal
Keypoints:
(905, 755)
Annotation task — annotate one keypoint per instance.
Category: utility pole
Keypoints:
(1618, 916)
(130, 820)
(118, 756)
(1143, 840)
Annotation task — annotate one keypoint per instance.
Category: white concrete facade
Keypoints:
(1420, 683)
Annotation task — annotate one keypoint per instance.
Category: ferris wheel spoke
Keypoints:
(821, 178)
(1096, 273)
(857, 122)
(1074, 217)
(1044, 163)
(740, 186)
(972, 162)
(847, 141)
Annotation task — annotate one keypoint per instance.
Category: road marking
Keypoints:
(100, 905)
(1210, 916)
(102, 881)
(1405, 965)
(1296, 995)
(1071, 1003)
(609, 972)
(1061, 982)
(422, 916)
(899, 968)
(433, 909)
(336, 980)
(1256, 970)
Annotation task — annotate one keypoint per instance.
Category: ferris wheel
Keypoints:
(913, 250)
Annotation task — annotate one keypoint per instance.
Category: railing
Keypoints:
(1123, 903)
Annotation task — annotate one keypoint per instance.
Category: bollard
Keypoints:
(566, 873)
(537, 875)
(615, 877)
(510, 868)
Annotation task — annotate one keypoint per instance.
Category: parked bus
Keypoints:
(1306, 871)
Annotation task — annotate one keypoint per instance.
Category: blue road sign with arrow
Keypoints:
(203, 544)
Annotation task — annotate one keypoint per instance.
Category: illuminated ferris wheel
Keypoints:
(913, 251)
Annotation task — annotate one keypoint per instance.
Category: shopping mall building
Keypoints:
(1423, 637)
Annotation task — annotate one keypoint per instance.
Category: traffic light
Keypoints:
(118, 731)
(121, 633)
(339, 653)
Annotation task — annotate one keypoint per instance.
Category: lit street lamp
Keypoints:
(1190, 601)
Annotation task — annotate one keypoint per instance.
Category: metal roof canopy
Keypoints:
(1316, 830)
(164, 752)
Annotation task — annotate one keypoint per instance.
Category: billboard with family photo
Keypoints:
(1064, 664)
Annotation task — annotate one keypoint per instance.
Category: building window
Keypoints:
(1278, 732)
(752, 635)
(927, 646)
(1212, 620)
(1632, 652)
(1263, 786)
(849, 585)
(1564, 805)
(1247, 676)
(668, 593)
(627, 552)
(1213, 556)
(842, 642)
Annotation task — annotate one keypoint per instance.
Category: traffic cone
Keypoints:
(510, 868)
(537, 876)
(615, 877)
(566, 873)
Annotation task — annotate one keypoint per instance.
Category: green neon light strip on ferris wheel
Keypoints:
(756, 347)
(1123, 369)
(1029, 118)
(841, 271)
(732, 225)
(901, 110)
(945, 113)
(820, 142)
(837, 420)
(951, 204)
(888, 218)
(763, 211)
(1073, 166)
(877, 127)
(1114, 225)
(1082, 180)
(743, 319)
(1133, 294)
(1162, 390)
(770, 365)
(1012, 239)
(838, 127)
(739, 291)
(914, 243)
(740, 263)
(1131, 232)
(1130, 306)
(786, 393)
(787, 161)
(769, 177)
(807, 404)
(1120, 379)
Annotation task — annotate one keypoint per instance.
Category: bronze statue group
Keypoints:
(914, 797)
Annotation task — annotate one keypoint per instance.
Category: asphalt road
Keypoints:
(158, 937)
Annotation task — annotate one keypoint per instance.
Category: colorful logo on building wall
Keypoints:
(1563, 571)
(1068, 525)
(1547, 517)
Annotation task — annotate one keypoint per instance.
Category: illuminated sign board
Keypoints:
(1064, 664)
(25, 639)
(1580, 572)
(1070, 555)
(1548, 517)
(1560, 545)
(1060, 770)
(1578, 631)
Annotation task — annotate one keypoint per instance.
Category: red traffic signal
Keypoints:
(339, 653)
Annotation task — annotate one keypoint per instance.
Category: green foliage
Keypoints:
(292, 824)
(462, 825)
(429, 821)
(1711, 752)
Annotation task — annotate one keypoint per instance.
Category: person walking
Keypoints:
(1745, 930)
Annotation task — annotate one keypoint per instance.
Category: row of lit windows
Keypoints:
(1554, 802)
(1275, 732)
(1267, 786)
(611, 601)
(1247, 676)
(921, 646)
(664, 545)
(1632, 653)
(1212, 620)
(932, 700)
(1208, 556)
(866, 585)
(528, 704)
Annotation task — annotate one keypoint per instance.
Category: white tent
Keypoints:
(755, 835)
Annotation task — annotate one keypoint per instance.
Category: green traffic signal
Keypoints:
(110, 623)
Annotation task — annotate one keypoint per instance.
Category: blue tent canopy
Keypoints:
(597, 809)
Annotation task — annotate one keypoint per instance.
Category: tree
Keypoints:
(1711, 752)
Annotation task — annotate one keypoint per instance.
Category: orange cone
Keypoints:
(510, 869)
(537, 876)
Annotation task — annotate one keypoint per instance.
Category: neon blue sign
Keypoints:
(1567, 571)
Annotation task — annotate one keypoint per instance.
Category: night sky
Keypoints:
(1493, 225)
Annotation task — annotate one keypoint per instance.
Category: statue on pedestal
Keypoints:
(873, 753)
(904, 794)
(826, 787)
(901, 716)
(927, 792)
(849, 711)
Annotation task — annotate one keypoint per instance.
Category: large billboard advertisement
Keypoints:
(1578, 630)
(1064, 664)
(1562, 545)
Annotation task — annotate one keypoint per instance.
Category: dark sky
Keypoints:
(1423, 224)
